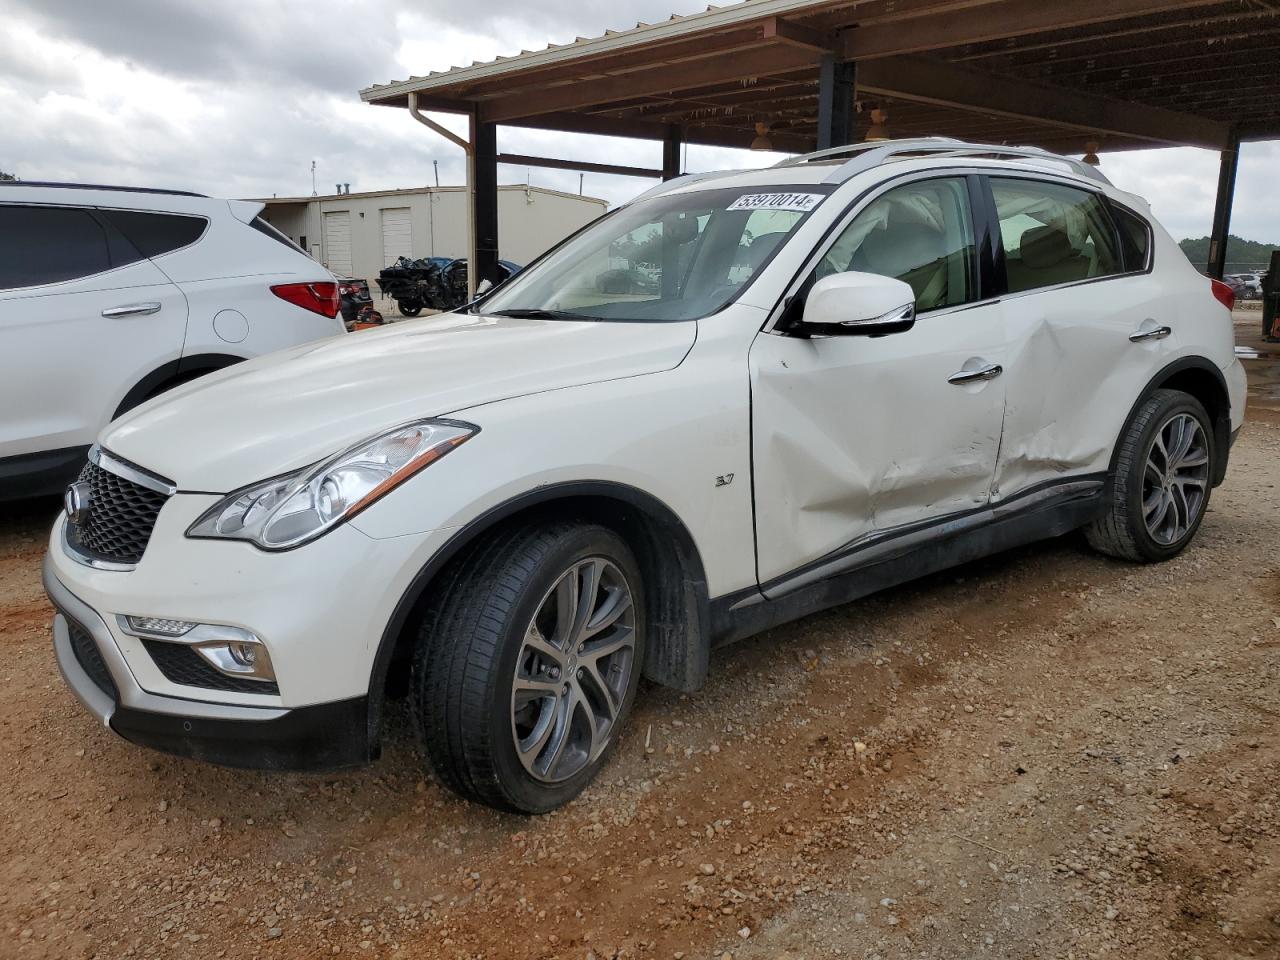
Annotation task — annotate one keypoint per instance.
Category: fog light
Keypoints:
(245, 654)
(230, 650)
(246, 658)
(161, 627)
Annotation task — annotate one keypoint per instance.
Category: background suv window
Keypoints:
(1053, 234)
(920, 233)
(154, 234)
(41, 245)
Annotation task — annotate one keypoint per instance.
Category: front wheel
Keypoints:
(409, 308)
(527, 668)
(1160, 489)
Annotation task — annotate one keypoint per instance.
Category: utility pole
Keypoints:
(580, 176)
(313, 178)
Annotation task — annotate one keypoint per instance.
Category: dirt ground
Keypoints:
(1046, 754)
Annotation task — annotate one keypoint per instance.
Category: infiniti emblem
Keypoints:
(76, 502)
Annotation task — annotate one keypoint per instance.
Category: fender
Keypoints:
(680, 625)
(183, 366)
(1221, 425)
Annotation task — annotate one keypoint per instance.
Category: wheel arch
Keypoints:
(676, 597)
(1201, 378)
(182, 368)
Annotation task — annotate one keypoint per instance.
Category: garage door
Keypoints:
(337, 242)
(397, 235)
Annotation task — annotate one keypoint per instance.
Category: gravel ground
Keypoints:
(1045, 754)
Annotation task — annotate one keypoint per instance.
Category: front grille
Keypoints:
(90, 659)
(181, 664)
(122, 515)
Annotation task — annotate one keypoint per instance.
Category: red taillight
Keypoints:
(1224, 294)
(321, 298)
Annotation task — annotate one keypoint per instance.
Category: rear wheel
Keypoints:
(409, 308)
(1163, 477)
(527, 669)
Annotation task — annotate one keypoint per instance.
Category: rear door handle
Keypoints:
(1154, 333)
(131, 310)
(989, 372)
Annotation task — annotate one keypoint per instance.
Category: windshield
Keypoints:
(678, 257)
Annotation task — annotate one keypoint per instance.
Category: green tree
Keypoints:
(1242, 254)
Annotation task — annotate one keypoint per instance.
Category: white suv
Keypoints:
(109, 296)
(819, 380)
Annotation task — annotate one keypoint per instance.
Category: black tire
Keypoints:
(1122, 531)
(468, 647)
(409, 308)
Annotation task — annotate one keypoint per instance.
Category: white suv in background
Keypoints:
(109, 296)
(821, 379)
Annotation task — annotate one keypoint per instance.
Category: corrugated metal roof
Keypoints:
(711, 19)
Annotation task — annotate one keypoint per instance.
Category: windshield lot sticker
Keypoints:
(799, 202)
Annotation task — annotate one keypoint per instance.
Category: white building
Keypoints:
(357, 234)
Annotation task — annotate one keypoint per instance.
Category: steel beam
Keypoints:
(948, 84)
(672, 141)
(1222, 207)
(485, 200)
(583, 166)
(836, 81)
(964, 24)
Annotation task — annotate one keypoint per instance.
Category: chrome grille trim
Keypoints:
(124, 505)
(122, 468)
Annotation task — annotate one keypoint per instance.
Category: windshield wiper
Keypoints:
(537, 313)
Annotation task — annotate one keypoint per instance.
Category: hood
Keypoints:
(283, 411)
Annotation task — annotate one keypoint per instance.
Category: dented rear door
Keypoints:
(857, 437)
(1074, 373)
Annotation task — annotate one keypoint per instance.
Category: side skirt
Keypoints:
(40, 474)
(748, 612)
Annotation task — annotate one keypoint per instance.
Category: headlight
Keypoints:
(291, 510)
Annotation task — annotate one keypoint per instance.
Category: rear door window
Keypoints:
(1053, 234)
(40, 245)
(155, 234)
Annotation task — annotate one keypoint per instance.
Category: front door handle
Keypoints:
(1154, 333)
(131, 310)
(989, 372)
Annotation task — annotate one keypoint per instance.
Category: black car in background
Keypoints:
(353, 296)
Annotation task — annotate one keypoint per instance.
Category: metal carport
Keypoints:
(1085, 75)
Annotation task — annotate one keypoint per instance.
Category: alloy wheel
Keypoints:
(573, 671)
(1176, 479)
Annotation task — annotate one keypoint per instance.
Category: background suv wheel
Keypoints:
(527, 667)
(1163, 476)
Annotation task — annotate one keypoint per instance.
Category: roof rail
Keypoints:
(100, 186)
(865, 156)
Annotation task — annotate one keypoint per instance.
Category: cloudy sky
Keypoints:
(237, 98)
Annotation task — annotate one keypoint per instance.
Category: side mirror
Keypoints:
(858, 304)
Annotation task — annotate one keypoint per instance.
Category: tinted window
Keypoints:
(154, 234)
(48, 245)
(1135, 238)
(263, 227)
(921, 234)
(1053, 234)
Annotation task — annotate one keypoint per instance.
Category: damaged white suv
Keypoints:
(740, 399)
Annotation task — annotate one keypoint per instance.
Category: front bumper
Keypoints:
(322, 736)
